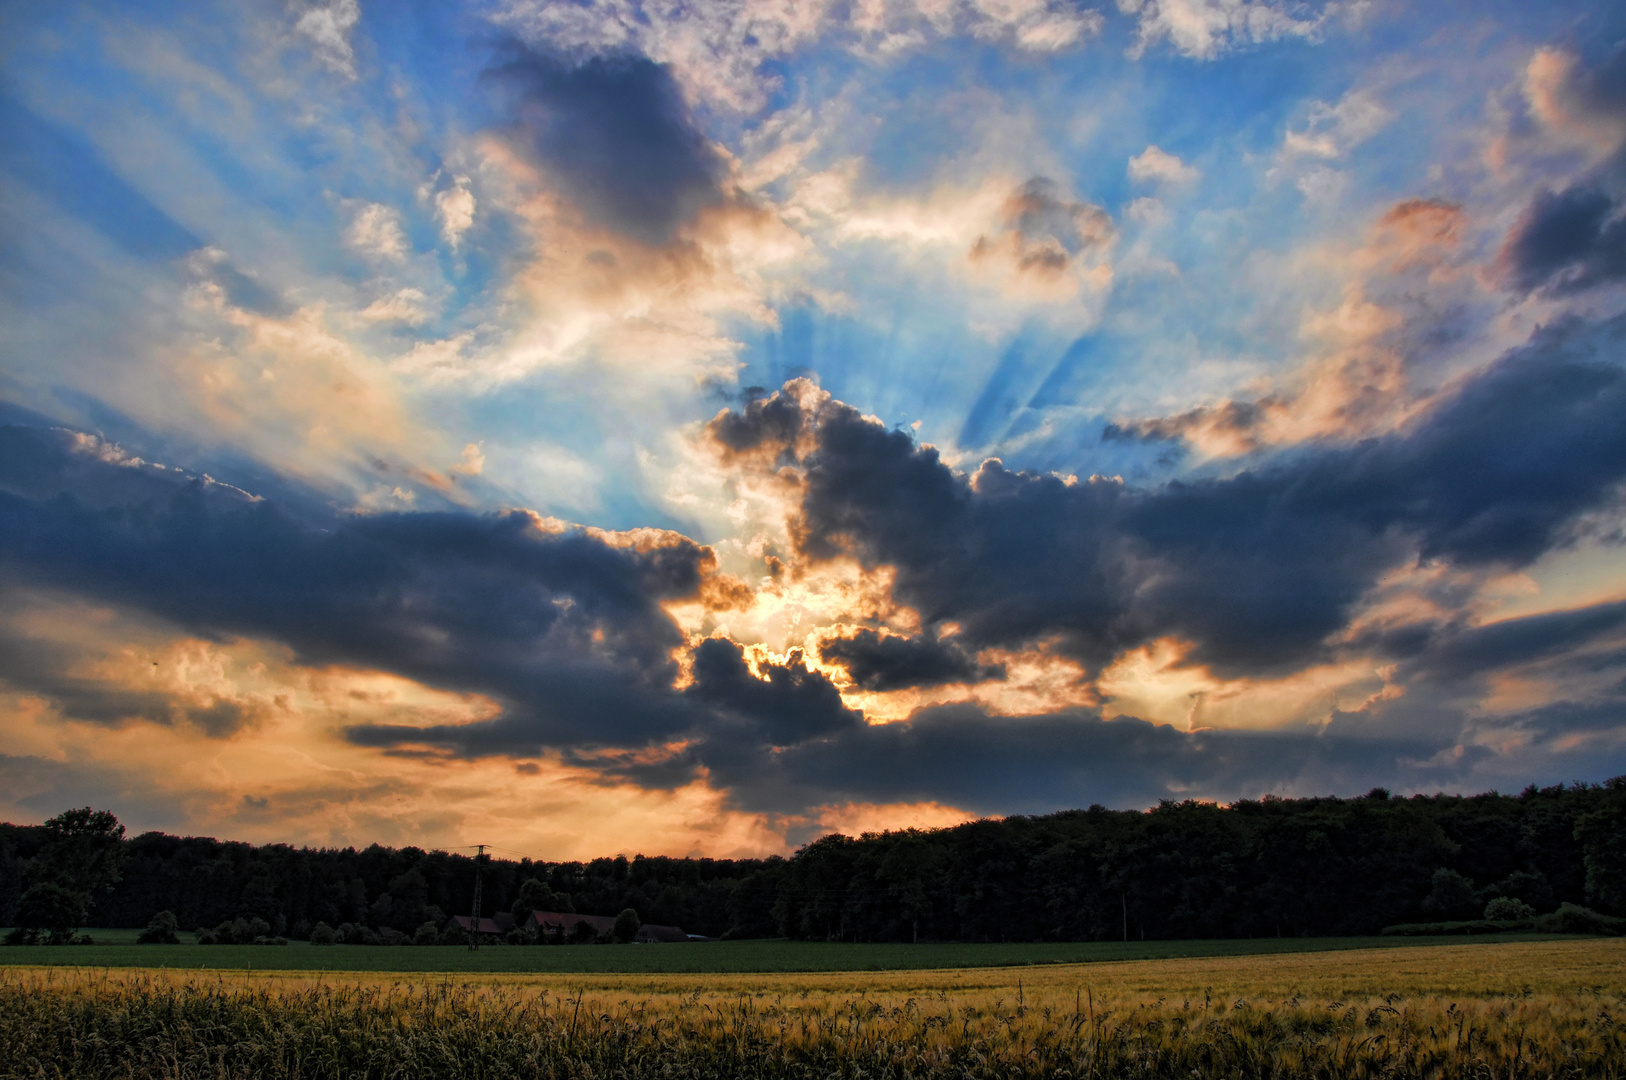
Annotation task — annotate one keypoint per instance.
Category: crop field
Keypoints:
(1486, 1009)
(117, 949)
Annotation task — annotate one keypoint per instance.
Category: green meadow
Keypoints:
(117, 949)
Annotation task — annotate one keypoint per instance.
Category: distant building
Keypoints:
(650, 933)
(548, 923)
(563, 924)
(487, 926)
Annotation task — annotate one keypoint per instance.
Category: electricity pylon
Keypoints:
(479, 875)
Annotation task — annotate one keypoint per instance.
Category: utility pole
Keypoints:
(479, 876)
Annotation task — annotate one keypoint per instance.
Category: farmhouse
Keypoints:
(501, 924)
(650, 933)
(547, 923)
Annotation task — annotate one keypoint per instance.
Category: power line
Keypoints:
(480, 858)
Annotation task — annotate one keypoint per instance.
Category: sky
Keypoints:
(600, 426)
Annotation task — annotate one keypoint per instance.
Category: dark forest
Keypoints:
(1271, 867)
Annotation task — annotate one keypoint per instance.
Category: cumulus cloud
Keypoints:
(455, 207)
(615, 134)
(1155, 165)
(1584, 106)
(1203, 29)
(327, 27)
(1259, 570)
(1574, 238)
(402, 306)
(375, 231)
(883, 661)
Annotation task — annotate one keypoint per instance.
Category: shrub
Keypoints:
(323, 934)
(583, 933)
(1575, 919)
(388, 935)
(454, 935)
(238, 931)
(357, 934)
(160, 930)
(1505, 908)
(426, 935)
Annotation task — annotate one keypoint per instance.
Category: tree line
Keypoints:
(1267, 867)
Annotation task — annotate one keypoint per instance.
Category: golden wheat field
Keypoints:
(1530, 1009)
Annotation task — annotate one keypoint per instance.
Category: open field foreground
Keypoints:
(117, 949)
(1504, 1009)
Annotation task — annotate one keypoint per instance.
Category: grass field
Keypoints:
(1484, 1009)
(117, 949)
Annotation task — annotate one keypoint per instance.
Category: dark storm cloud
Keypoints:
(882, 662)
(962, 756)
(615, 134)
(1454, 652)
(732, 710)
(563, 629)
(1566, 242)
(1258, 569)
(787, 704)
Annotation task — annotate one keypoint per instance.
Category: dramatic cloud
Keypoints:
(563, 625)
(1176, 398)
(617, 137)
(1258, 569)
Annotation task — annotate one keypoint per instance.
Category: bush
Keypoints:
(583, 933)
(388, 935)
(454, 935)
(358, 934)
(239, 931)
(160, 930)
(426, 935)
(1505, 908)
(1575, 919)
(323, 934)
